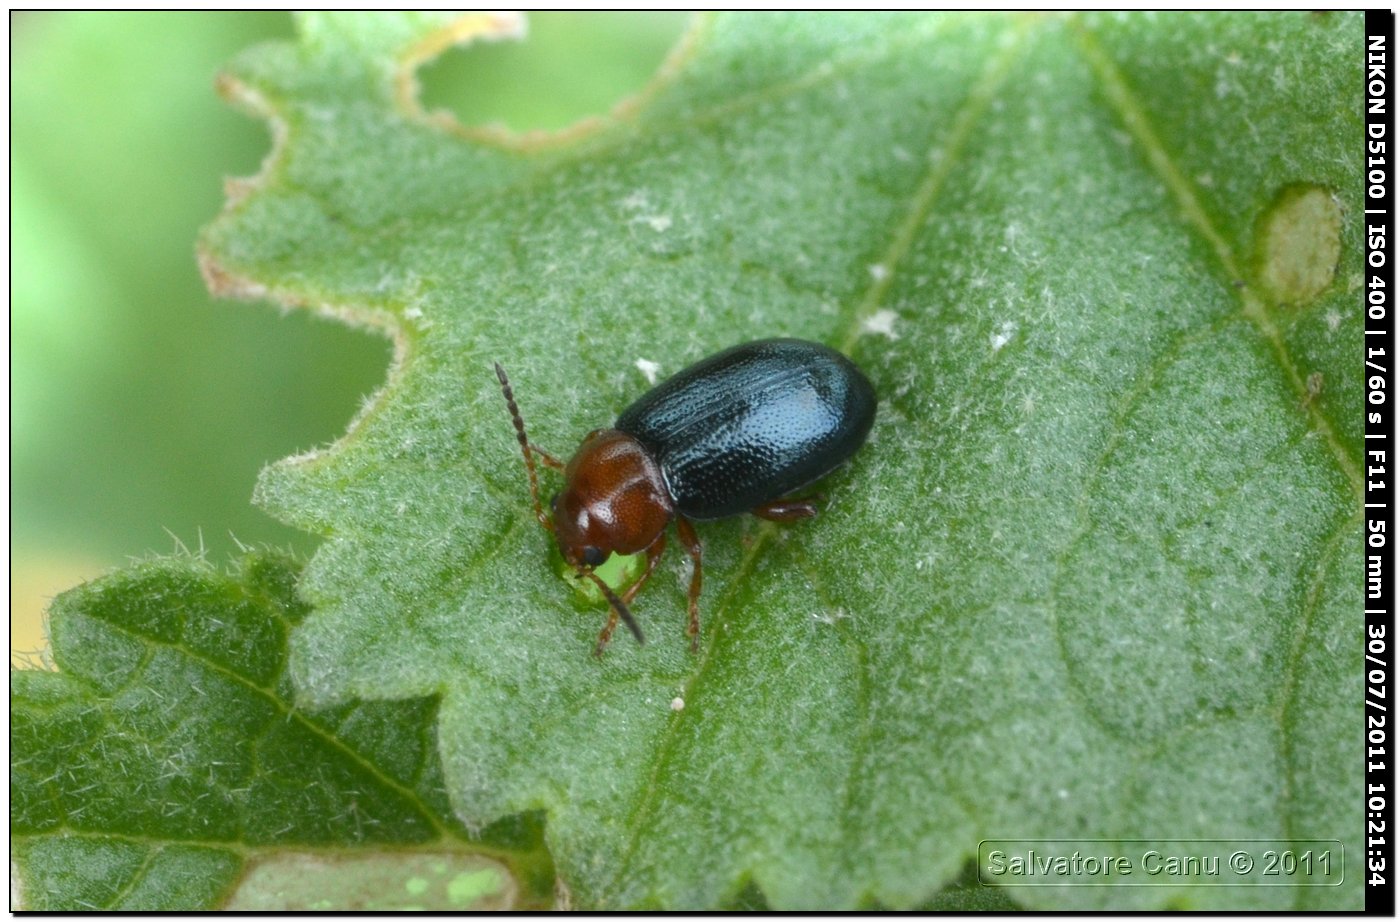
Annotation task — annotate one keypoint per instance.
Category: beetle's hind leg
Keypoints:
(788, 510)
(686, 531)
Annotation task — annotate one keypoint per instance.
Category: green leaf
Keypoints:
(166, 767)
(1093, 576)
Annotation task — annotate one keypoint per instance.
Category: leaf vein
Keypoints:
(1116, 433)
(137, 875)
(1302, 630)
(291, 713)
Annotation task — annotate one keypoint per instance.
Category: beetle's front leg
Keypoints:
(653, 558)
(686, 531)
(606, 633)
(549, 460)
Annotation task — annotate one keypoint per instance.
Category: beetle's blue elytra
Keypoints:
(736, 432)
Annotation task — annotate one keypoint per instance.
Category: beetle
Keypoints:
(737, 432)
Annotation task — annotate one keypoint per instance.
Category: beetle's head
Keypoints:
(588, 533)
(614, 500)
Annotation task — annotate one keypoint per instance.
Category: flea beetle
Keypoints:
(736, 432)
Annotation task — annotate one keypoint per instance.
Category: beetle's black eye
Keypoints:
(554, 501)
(592, 556)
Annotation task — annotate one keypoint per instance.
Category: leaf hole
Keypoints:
(570, 67)
(1298, 241)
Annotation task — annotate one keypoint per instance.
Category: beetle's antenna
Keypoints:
(617, 604)
(529, 458)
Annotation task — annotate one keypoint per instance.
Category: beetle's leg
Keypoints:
(686, 531)
(653, 558)
(605, 634)
(549, 460)
(616, 608)
(788, 510)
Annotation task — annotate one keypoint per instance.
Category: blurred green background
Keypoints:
(141, 408)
